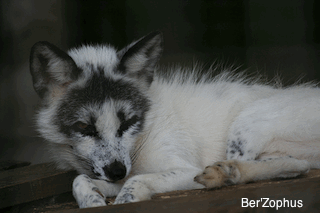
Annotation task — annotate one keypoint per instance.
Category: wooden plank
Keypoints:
(12, 164)
(32, 183)
(228, 199)
(53, 203)
(312, 175)
(38, 181)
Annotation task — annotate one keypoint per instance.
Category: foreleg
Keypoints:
(91, 193)
(142, 187)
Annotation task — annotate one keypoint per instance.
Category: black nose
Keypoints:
(115, 171)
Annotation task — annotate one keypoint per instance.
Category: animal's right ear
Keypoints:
(51, 68)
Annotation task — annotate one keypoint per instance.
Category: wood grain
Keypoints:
(32, 183)
(42, 188)
(227, 199)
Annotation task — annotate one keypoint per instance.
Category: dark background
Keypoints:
(266, 36)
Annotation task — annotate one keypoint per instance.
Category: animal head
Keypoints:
(94, 102)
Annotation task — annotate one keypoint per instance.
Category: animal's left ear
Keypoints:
(138, 60)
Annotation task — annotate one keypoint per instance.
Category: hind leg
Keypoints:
(292, 115)
(231, 172)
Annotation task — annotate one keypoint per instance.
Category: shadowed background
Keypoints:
(268, 36)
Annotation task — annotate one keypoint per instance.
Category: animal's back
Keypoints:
(189, 120)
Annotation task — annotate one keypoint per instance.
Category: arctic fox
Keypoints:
(130, 132)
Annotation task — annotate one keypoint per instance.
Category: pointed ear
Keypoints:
(51, 68)
(139, 59)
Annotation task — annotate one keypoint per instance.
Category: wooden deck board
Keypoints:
(228, 199)
(31, 183)
(41, 188)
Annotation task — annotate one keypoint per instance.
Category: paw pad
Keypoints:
(219, 174)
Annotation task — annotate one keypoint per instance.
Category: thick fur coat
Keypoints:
(130, 132)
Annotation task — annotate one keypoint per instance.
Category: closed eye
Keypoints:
(85, 129)
(81, 126)
(126, 124)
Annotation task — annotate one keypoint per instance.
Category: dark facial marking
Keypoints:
(97, 90)
(125, 124)
(85, 129)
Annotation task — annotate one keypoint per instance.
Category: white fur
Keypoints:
(99, 55)
(188, 126)
(245, 130)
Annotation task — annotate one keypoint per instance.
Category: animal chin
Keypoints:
(107, 179)
(111, 181)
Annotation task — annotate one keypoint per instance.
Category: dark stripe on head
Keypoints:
(126, 124)
(96, 91)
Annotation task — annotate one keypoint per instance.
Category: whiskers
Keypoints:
(85, 162)
(141, 144)
(144, 137)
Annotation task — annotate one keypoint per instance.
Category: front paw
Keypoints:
(221, 173)
(86, 193)
(133, 191)
(125, 198)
